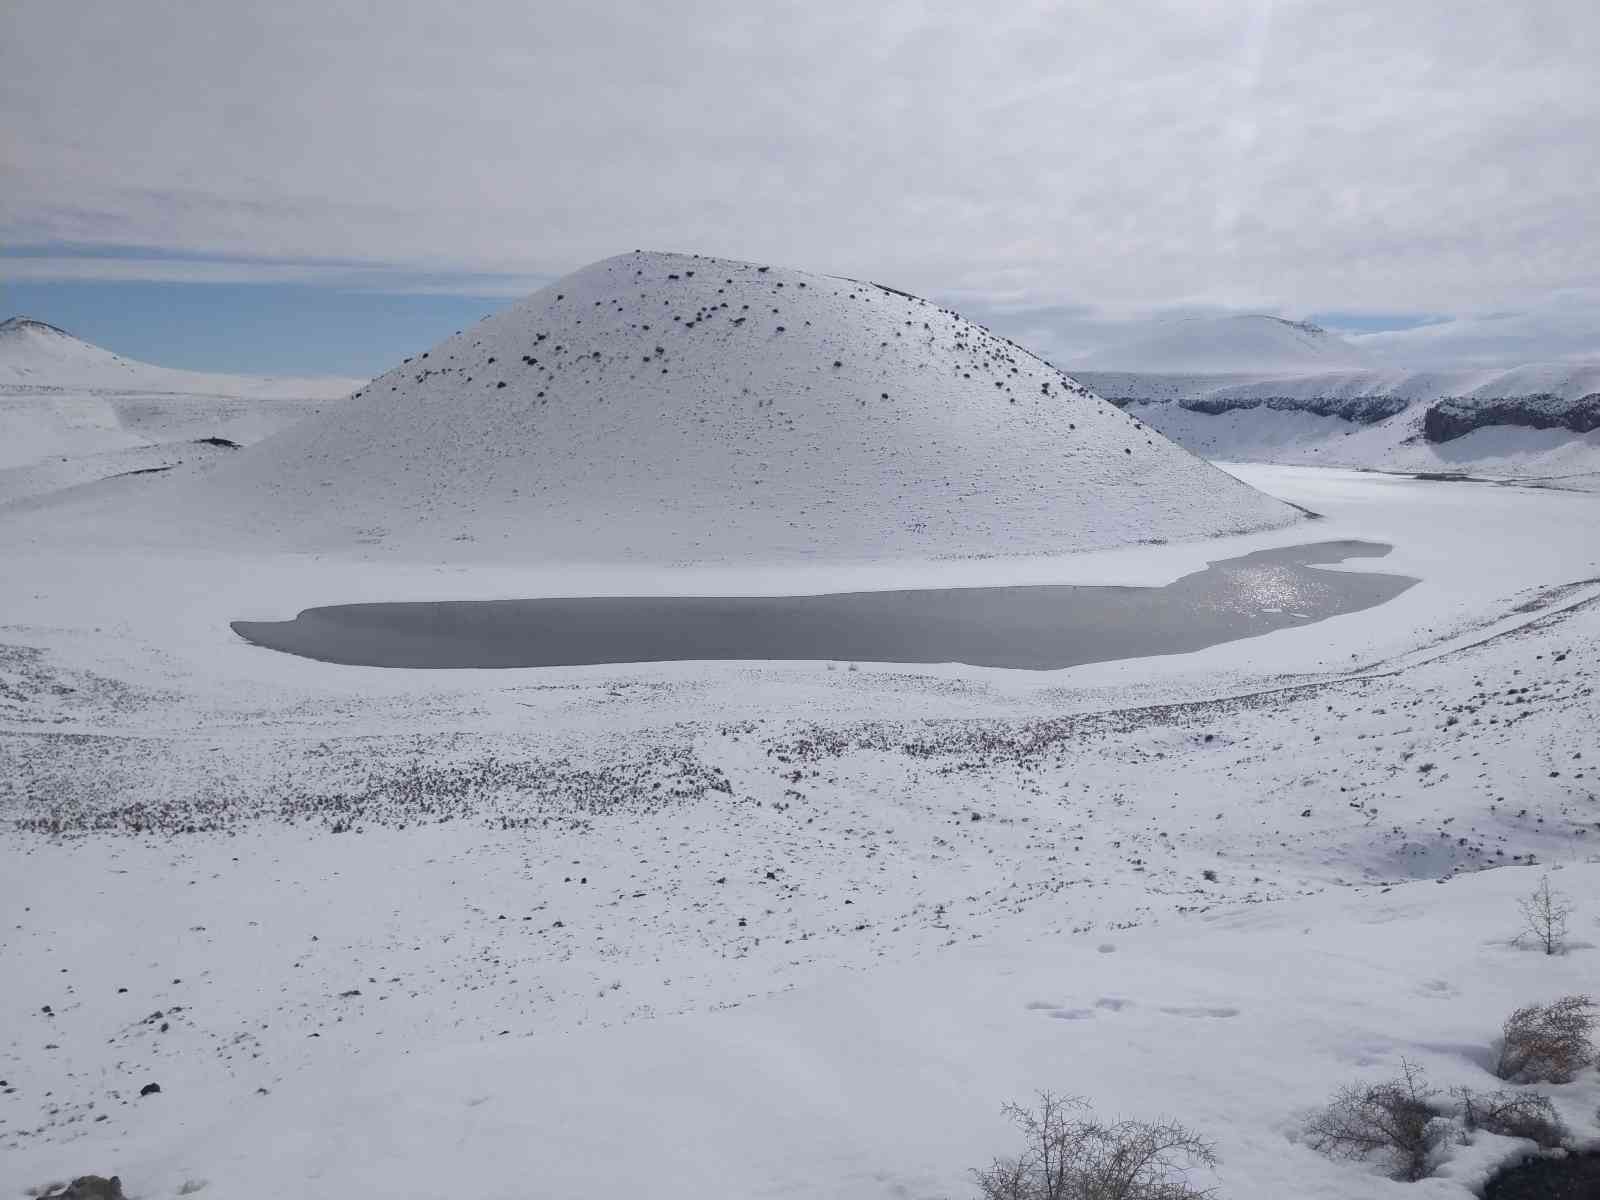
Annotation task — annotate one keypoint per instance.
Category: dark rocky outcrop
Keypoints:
(1456, 417)
(1443, 420)
(86, 1187)
(1363, 410)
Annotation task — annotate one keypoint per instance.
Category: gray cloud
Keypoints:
(1102, 161)
(350, 277)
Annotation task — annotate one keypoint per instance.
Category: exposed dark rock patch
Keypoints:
(85, 1187)
(1575, 1177)
(143, 471)
(1361, 410)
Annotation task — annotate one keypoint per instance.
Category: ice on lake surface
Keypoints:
(1037, 627)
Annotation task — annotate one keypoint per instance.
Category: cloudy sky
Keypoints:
(1421, 174)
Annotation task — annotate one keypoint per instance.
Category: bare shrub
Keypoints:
(1544, 917)
(1399, 1119)
(1547, 1043)
(1072, 1155)
(1513, 1114)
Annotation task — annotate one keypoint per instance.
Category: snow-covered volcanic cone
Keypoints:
(672, 408)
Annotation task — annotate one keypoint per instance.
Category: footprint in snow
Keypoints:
(1072, 1014)
(1061, 1012)
(1199, 1010)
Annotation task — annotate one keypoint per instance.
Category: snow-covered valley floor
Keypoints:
(779, 929)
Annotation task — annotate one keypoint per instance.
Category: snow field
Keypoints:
(747, 914)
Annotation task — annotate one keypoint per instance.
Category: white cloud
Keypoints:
(1290, 156)
(1564, 326)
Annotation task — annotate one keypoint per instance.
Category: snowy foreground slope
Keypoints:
(672, 408)
(72, 413)
(776, 929)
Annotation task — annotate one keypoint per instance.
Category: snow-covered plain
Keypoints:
(777, 929)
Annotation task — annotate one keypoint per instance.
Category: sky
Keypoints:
(313, 187)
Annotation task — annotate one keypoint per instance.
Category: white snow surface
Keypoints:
(776, 929)
(672, 408)
(1236, 343)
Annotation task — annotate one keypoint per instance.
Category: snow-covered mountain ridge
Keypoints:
(1536, 421)
(1227, 364)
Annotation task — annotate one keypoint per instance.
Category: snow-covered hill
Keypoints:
(72, 412)
(673, 408)
(34, 354)
(1240, 343)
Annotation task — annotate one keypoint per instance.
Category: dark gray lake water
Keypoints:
(1035, 627)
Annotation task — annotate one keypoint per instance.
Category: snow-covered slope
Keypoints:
(673, 408)
(1242, 343)
(36, 354)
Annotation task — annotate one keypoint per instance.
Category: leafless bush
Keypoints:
(1544, 917)
(1399, 1119)
(1513, 1114)
(1547, 1043)
(1072, 1155)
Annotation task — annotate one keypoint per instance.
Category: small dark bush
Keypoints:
(1072, 1155)
(1544, 917)
(1399, 1119)
(1513, 1114)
